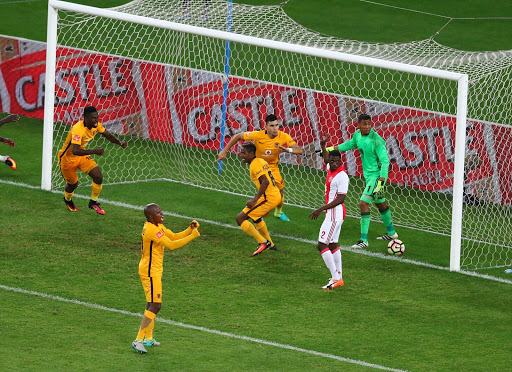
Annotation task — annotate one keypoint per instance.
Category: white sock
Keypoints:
(3, 158)
(337, 261)
(329, 262)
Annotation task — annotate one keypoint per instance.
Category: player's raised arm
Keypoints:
(222, 155)
(323, 141)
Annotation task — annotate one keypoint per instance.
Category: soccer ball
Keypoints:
(396, 246)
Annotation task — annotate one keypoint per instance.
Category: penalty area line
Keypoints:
(202, 329)
(295, 238)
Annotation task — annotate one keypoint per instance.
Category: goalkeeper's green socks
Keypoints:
(365, 226)
(385, 216)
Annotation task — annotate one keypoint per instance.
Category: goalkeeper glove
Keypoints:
(379, 186)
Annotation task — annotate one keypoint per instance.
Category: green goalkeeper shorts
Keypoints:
(368, 195)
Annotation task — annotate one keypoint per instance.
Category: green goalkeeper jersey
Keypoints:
(374, 155)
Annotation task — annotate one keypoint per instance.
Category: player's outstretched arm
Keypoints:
(293, 149)
(114, 139)
(9, 119)
(222, 155)
(175, 244)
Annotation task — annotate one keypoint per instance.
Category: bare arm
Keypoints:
(114, 139)
(238, 137)
(263, 187)
(337, 201)
(323, 142)
(7, 141)
(294, 149)
(9, 119)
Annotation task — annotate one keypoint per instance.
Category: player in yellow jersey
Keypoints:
(266, 199)
(9, 142)
(74, 156)
(155, 238)
(269, 143)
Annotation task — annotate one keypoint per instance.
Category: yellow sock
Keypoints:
(250, 230)
(262, 229)
(96, 189)
(148, 323)
(279, 207)
(68, 195)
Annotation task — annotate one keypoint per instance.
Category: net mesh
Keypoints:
(163, 91)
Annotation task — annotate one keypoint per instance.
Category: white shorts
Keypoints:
(330, 231)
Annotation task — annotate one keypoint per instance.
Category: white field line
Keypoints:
(313, 242)
(202, 329)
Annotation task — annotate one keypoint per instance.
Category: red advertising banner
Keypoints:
(184, 106)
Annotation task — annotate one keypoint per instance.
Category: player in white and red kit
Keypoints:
(336, 187)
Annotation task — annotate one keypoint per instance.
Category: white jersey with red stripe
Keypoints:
(336, 184)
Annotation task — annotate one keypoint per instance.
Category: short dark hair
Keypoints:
(364, 117)
(249, 146)
(335, 153)
(270, 117)
(89, 110)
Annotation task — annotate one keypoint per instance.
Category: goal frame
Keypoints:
(461, 80)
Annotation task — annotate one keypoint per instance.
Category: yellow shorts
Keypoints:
(152, 288)
(263, 206)
(69, 167)
(277, 177)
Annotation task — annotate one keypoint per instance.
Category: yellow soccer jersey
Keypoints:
(154, 240)
(79, 135)
(260, 167)
(266, 147)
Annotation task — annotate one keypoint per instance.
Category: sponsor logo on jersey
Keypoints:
(268, 152)
(159, 234)
(76, 137)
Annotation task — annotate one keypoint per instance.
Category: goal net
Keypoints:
(167, 91)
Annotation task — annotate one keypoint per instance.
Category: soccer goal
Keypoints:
(177, 79)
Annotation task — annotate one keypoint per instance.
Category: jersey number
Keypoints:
(272, 178)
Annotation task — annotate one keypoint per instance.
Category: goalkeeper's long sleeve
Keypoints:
(175, 244)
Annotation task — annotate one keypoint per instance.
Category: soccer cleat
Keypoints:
(152, 342)
(333, 284)
(273, 248)
(360, 244)
(10, 163)
(71, 206)
(261, 248)
(139, 347)
(96, 206)
(281, 216)
(388, 237)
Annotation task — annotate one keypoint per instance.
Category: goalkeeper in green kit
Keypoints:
(374, 157)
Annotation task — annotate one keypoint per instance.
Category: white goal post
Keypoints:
(324, 56)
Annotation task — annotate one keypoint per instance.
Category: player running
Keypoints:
(269, 143)
(374, 158)
(74, 156)
(264, 201)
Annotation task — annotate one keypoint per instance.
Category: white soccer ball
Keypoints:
(396, 246)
